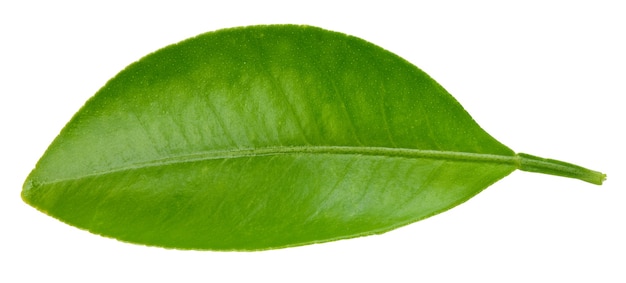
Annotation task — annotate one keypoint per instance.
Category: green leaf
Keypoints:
(266, 137)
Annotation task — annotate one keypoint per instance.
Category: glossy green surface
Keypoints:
(265, 137)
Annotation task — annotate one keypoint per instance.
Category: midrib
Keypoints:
(340, 150)
(337, 150)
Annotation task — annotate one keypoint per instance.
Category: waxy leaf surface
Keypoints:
(265, 137)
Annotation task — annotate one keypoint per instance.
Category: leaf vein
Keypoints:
(312, 150)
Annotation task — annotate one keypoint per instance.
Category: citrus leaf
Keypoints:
(266, 137)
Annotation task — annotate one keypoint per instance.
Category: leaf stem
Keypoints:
(531, 163)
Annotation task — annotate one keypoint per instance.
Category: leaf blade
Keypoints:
(163, 87)
(300, 208)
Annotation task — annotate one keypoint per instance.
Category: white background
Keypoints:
(543, 77)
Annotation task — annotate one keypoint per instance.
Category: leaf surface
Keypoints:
(266, 137)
